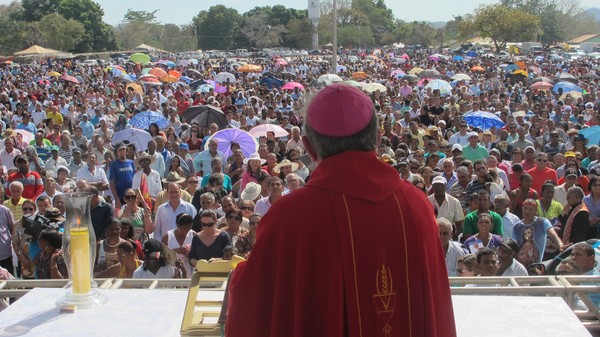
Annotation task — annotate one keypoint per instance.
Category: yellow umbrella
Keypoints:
(573, 94)
(415, 71)
(521, 72)
(54, 74)
(360, 74)
(136, 88)
(249, 68)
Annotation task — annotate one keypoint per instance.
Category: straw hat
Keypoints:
(173, 177)
(251, 191)
(9, 133)
(254, 156)
(284, 163)
(143, 156)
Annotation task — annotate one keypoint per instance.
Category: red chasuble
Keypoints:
(355, 252)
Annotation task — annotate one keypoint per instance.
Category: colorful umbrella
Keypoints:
(359, 74)
(69, 78)
(483, 120)
(223, 77)
(136, 136)
(139, 58)
(541, 86)
(136, 88)
(54, 74)
(592, 134)
(226, 137)
(478, 68)
(175, 73)
(292, 86)
(572, 94)
(397, 73)
(282, 62)
(250, 68)
(415, 71)
(566, 87)
(149, 80)
(521, 72)
(263, 129)
(444, 87)
(205, 88)
(566, 77)
(143, 120)
(158, 72)
(353, 84)
(169, 79)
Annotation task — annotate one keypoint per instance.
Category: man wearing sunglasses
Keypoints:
(542, 173)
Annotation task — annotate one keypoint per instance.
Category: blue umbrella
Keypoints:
(186, 79)
(458, 58)
(509, 69)
(566, 87)
(592, 134)
(225, 137)
(483, 120)
(144, 119)
(472, 53)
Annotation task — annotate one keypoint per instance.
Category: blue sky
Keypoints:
(182, 11)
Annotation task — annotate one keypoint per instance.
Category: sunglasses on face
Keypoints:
(234, 218)
(204, 224)
(25, 209)
(129, 197)
(247, 208)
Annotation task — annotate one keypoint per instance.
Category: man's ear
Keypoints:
(309, 149)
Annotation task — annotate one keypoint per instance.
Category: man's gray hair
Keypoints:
(16, 184)
(577, 191)
(462, 169)
(326, 146)
(208, 196)
(444, 221)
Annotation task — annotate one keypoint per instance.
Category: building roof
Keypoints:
(583, 38)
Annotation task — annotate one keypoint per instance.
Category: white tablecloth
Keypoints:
(128, 312)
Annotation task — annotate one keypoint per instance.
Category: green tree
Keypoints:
(58, 33)
(35, 10)
(501, 24)
(99, 36)
(138, 27)
(12, 31)
(217, 28)
(261, 35)
(298, 34)
(140, 16)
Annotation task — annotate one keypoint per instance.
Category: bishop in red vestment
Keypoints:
(354, 253)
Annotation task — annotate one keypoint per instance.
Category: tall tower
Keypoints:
(314, 14)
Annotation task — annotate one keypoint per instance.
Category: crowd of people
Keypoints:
(506, 197)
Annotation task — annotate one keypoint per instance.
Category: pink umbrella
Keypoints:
(69, 78)
(292, 85)
(405, 56)
(541, 86)
(27, 136)
(261, 130)
(282, 62)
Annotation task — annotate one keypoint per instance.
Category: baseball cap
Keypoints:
(439, 180)
(510, 244)
(457, 147)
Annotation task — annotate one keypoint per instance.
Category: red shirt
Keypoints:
(32, 182)
(540, 176)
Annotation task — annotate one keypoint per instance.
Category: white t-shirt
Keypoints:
(164, 272)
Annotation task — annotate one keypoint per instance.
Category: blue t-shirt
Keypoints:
(532, 240)
(122, 173)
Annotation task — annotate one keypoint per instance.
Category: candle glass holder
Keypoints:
(79, 249)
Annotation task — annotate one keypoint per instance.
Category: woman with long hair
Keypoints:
(210, 241)
(195, 140)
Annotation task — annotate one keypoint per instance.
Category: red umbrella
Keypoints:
(69, 78)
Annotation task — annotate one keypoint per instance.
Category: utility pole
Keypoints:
(335, 46)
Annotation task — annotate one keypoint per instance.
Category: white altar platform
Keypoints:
(133, 312)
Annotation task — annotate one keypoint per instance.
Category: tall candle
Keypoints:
(80, 260)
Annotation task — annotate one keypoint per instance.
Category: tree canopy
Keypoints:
(501, 24)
